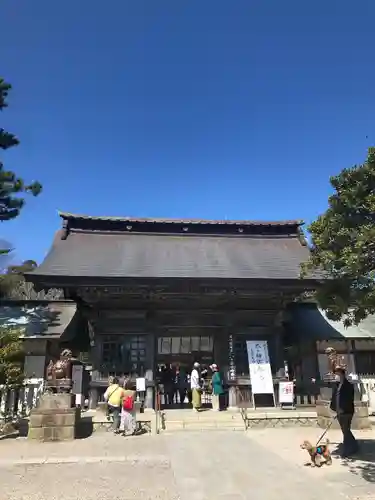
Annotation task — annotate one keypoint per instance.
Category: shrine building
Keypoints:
(175, 291)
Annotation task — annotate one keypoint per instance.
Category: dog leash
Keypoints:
(326, 430)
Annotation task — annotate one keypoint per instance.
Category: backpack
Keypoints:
(128, 403)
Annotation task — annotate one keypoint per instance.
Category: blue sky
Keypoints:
(183, 108)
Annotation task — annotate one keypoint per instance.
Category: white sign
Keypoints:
(286, 393)
(140, 384)
(259, 367)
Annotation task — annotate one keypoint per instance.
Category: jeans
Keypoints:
(349, 442)
(181, 395)
(115, 411)
(168, 394)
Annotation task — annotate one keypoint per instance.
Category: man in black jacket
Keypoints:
(343, 404)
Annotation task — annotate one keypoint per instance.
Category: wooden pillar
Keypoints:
(279, 345)
(150, 369)
(93, 398)
(95, 363)
(220, 340)
(278, 360)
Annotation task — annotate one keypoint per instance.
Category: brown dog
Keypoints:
(318, 454)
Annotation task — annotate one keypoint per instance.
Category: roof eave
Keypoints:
(292, 223)
(59, 281)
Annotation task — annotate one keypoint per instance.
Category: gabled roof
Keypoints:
(117, 247)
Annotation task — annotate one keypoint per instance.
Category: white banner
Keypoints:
(259, 367)
(140, 383)
(286, 392)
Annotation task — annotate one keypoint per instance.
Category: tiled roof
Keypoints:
(266, 250)
(50, 319)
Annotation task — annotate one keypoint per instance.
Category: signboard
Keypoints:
(77, 376)
(259, 367)
(140, 384)
(286, 393)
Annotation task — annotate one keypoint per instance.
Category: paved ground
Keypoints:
(187, 466)
(353, 478)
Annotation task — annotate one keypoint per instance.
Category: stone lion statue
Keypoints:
(62, 368)
(335, 360)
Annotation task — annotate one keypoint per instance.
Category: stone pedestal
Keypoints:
(360, 419)
(63, 385)
(55, 418)
(361, 416)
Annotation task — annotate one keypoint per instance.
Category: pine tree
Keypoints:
(343, 245)
(11, 186)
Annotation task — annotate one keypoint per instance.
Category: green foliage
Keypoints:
(14, 286)
(11, 186)
(343, 245)
(11, 357)
(5, 252)
(13, 281)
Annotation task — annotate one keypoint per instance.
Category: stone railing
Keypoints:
(18, 402)
(368, 391)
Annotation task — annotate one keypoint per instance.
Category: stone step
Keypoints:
(187, 420)
(205, 422)
(201, 416)
(170, 430)
(280, 414)
(175, 426)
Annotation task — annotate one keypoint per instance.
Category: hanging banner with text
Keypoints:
(259, 367)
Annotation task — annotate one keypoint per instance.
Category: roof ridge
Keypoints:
(245, 222)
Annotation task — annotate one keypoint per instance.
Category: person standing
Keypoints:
(217, 388)
(128, 416)
(180, 384)
(342, 404)
(196, 387)
(113, 397)
(189, 391)
(168, 384)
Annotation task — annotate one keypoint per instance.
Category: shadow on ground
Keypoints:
(8, 436)
(362, 463)
(85, 428)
